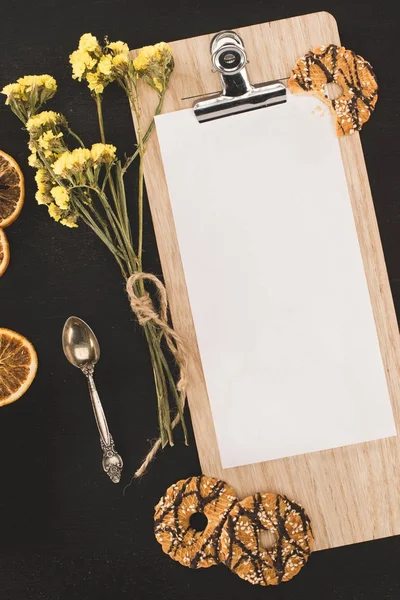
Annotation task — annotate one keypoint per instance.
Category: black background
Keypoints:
(66, 532)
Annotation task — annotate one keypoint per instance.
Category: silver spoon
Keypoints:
(82, 349)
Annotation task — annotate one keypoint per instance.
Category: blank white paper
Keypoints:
(276, 281)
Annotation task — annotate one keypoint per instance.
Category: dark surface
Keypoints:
(66, 532)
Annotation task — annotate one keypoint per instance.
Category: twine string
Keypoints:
(145, 311)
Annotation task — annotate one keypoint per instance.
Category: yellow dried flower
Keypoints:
(57, 199)
(152, 54)
(86, 57)
(163, 47)
(145, 56)
(42, 179)
(24, 86)
(118, 47)
(78, 65)
(45, 119)
(12, 90)
(89, 43)
(81, 62)
(105, 65)
(33, 160)
(155, 64)
(27, 95)
(62, 164)
(103, 153)
(44, 185)
(80, 156)
(42, 198)
(95, 84)
(61, 196)
(120, 60)
(98, 65)
(49, 143)
(70, 221)
(47, 139)
(55, 211)
(73, 162)
(164, 52)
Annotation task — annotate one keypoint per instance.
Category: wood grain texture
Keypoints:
(353, 493)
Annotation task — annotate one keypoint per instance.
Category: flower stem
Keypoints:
(74, 135)
(178, 399)
(140, 214)
(100, 117)
(162, 375)
(121, 194)
(119, 202)
(158, 384)
(164, 415)
(141, 150)
(100, 232)
(146, 136)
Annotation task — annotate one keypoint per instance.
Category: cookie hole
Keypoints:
(198, 521)
(267, 539)
(333, 90)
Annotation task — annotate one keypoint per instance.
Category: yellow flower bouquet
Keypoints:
(86, 184)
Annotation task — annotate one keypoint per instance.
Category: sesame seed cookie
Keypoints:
(328, 64)
(240, 547)
(172, 526)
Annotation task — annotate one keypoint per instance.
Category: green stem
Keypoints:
(118, 202)
(164, 414)
(121, 194)
(178, 399)
(130, 159)
(85, 215)
(163, 376)
(115, 223)
(140, 214)
(100, 117)
(74, 135)
(159, 389)
(103, 233)
(146, 136)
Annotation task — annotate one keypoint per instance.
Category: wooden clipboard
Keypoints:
(352, 493)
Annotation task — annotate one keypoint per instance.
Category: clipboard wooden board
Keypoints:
(352, 493)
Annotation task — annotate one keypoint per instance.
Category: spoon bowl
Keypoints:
(79, 343)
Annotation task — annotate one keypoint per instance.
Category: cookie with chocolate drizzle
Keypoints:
(336, 64)
(172, 521)
(240, 547)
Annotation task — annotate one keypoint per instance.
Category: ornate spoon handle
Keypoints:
(112, 462)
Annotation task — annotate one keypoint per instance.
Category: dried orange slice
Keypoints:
(4, 252)
(12, 190)
(18, 365)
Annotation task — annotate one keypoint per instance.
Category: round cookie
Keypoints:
(172, 527)
(240, 547)
(328, 64)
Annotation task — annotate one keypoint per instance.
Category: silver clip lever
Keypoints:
(238, 95)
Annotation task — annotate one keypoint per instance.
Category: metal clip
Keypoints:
(229, 58)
